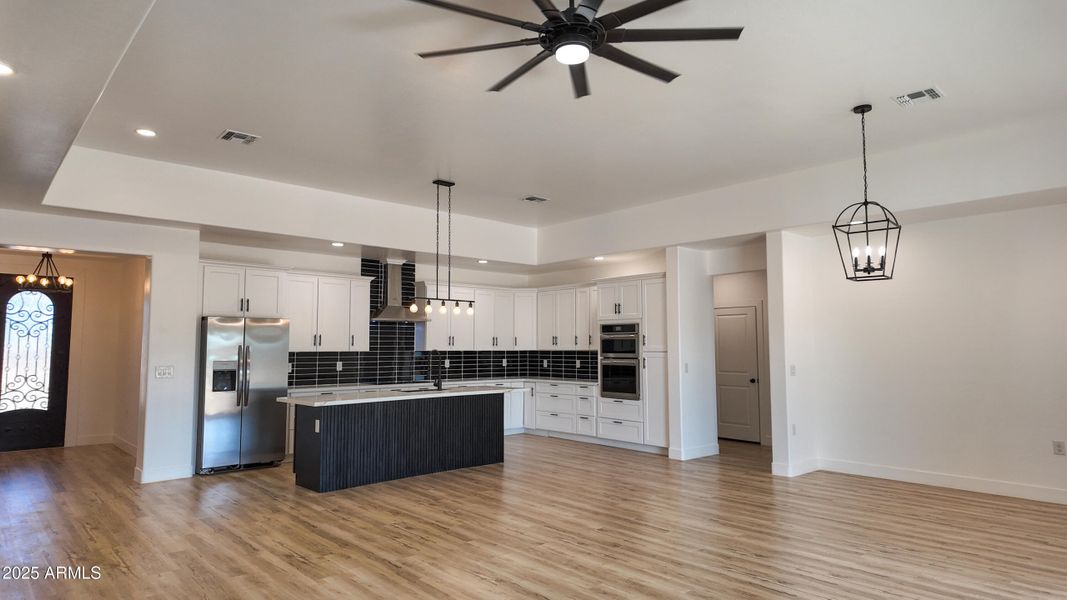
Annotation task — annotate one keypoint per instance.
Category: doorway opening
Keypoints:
(741, 361)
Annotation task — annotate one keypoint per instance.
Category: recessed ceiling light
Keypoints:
(5, 69)
(65, 251)
(535, 199)
(483, 262)
(598, 258)
(146, 133)
(338, 244)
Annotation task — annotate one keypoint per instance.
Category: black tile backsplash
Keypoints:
(320, 369)
(391, 358)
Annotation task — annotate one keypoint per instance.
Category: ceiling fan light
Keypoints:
(572, 53)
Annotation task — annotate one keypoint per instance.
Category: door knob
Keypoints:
(752, 381)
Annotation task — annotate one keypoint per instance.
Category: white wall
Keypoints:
(642, 264)
(1017, 158)
(952, 373)
(691, 357)
(115, 183)
(281, 259)
(101, 372)
(167, 410)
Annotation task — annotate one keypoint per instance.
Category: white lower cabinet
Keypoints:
(654, 398)
(619, 430)
(552, 421)
(586, 405)
(513, 409)
(555, 403)
(628, 410)
(586, 425)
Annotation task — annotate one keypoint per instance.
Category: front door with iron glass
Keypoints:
(34, 360)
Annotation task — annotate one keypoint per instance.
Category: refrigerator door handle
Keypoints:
(240, 373)
(247, 367)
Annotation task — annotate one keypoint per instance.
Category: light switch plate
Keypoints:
(165, 372)
(793, 370)
(1059, 448)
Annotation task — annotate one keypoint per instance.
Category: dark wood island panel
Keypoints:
(362, 443)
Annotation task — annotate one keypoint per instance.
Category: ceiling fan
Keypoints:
(572, 34)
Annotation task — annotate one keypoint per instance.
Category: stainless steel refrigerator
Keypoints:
(244, 369)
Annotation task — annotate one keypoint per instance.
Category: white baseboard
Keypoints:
(695, 452)
(795, 469)
(948, 480)
(574, 437)
(162, 473)
(124, 445)
(93, 440)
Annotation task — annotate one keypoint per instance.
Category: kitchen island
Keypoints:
(355, 438)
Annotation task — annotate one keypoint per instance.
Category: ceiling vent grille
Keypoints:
(535, 199)
(920, 97)
(238, 136)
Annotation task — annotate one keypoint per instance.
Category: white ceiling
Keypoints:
(342, 102)
(62, 53)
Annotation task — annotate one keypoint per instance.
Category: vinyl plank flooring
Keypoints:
(558, 519)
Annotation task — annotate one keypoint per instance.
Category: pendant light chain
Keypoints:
(863, 130)
(437, 244)
(449, 242)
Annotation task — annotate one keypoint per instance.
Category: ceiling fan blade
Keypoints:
(636, 11)
(474, 12)
(525, 42)
(580, 81)
(587, 9)
(549, 10)
(629, 60)
(673, 35)
(524, 69)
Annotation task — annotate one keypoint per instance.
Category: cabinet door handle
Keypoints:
(248, 305)
(553, 414)
(617, 422)
(617, 401)
(644, 340)
(575, 340)
(590, 340)
(353, 342)
(644, 363)
(516, 341)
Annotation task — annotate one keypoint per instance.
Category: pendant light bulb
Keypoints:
(32, 278)
(455, 309)
(470, 308)
(429, 307)
(20, 280)
(444, 309)
(414, 307)
(855, 252)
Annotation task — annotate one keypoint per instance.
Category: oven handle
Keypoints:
(618, 336)
(619, 361)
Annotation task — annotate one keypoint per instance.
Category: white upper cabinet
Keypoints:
(503, 320)
(566, 319)
(450, 331)
(438, 336)
(546, 320)
(620, 301)
(462, 325)
(234, 291)
(583, 335)
(525, 321)
(264, 293)
(654, 317)
(484, 320)
(301, 308)
(224, 291)
(654, 398)
(333, 314)
(359, 316)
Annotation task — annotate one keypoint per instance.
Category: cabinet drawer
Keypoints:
(586, 406)
(585, 390)
(555, 403)
(555, 388)
(555, 422)
(617, 429)
(627, 410)
(586, 425)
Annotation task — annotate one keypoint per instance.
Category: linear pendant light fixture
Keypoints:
(447, 299)
(45, 277)
(867, 233)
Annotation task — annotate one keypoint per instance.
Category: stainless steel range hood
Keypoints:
(394, 310)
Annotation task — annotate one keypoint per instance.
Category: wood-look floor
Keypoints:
(559, 519)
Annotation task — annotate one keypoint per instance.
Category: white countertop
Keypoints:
(335, 389)
(389, 395)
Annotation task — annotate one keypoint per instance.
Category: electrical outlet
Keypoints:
(1059, 449)
(290, 367)
(165, 372)
(504, 362)
(686, 367)
(340, 366)
(792, 370)
(577, 364)
(448, 363)
(544, 364)
(794, 428)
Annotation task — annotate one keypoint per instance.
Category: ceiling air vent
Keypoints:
(238, 136)
(535, 199)
(920, 97)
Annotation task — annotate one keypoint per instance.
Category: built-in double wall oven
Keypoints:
(620, 361)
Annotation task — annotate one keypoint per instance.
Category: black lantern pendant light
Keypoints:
(867, 233)
(45, 277)
(447, 300)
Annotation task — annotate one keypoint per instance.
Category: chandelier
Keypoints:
(45, 277)
(867, 233)
(447, 299)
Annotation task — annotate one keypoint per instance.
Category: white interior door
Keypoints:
(737, 368)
